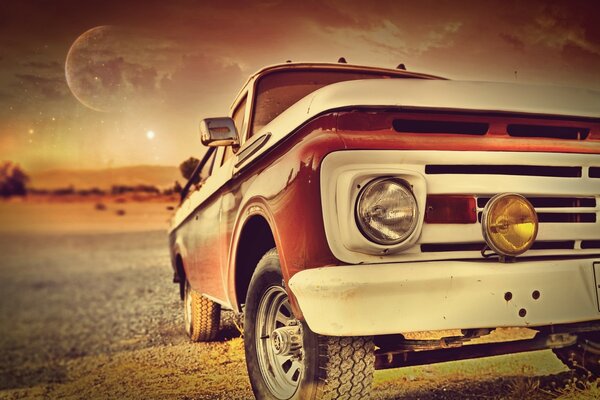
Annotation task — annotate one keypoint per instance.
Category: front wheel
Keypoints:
(286, 360)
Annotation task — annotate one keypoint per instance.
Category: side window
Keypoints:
(207, 169)
(238, 119)
(238, 115)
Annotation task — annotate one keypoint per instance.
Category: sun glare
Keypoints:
(150, 135)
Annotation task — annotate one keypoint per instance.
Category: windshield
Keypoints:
(277, 91)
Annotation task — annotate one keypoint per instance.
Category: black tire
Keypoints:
(584, 356)
(330, 367)
(201, 316)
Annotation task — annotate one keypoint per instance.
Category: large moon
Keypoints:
(105, 71)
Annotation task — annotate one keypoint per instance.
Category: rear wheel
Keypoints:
(201, 316)
(584, 356)
(286, 360)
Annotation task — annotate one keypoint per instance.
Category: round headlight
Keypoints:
(387, 211)
(509, 224)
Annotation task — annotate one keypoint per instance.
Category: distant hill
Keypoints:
(160, 176)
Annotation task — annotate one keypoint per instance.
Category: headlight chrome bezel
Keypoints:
(367, 231)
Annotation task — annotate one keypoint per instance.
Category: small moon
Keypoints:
(105, 71)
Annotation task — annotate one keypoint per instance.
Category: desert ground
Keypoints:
(88, 311)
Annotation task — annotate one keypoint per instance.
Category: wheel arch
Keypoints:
(180, 277)
(256, 237)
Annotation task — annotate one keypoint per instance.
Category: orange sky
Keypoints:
(162, 66)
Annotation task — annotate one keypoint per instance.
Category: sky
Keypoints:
(97, 84)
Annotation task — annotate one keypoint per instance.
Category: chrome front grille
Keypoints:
(563, 189)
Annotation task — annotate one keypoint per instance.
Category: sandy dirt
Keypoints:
(115, 214)
(88, 311)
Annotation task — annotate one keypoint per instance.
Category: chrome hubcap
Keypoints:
(287, 341)
(279, 344)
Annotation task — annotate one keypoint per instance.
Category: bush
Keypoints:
(69, 190)
(122, 189)
(177, 187)
(38, 191)
(90, 192)
(13, 181)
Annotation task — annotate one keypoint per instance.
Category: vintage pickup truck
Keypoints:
(343, 208)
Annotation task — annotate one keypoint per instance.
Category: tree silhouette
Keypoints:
(13, 180)
(187, 169)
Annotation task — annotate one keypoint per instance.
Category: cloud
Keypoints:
(511, 40)
(50, 88)
(51, 65)
(116, 74)
(556, 28)
(395, 38)
(202, 79)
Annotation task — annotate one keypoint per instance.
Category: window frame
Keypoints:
(242, 99)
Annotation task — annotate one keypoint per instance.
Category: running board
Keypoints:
(395, 359)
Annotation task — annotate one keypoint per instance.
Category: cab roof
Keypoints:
(339, 66)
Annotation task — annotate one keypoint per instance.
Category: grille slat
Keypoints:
(590, 244)
(566, 218)
(443, 127)
(546, 131)
(541, 245)
(514, 170)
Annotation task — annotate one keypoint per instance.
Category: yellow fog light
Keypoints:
(509, 224)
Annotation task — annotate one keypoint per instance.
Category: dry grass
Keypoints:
(532, 376)
(217, 371)
(185, 371)
(580, 391)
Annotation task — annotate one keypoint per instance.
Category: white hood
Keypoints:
(459, 95)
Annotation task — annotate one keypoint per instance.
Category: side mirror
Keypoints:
(216, 132)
